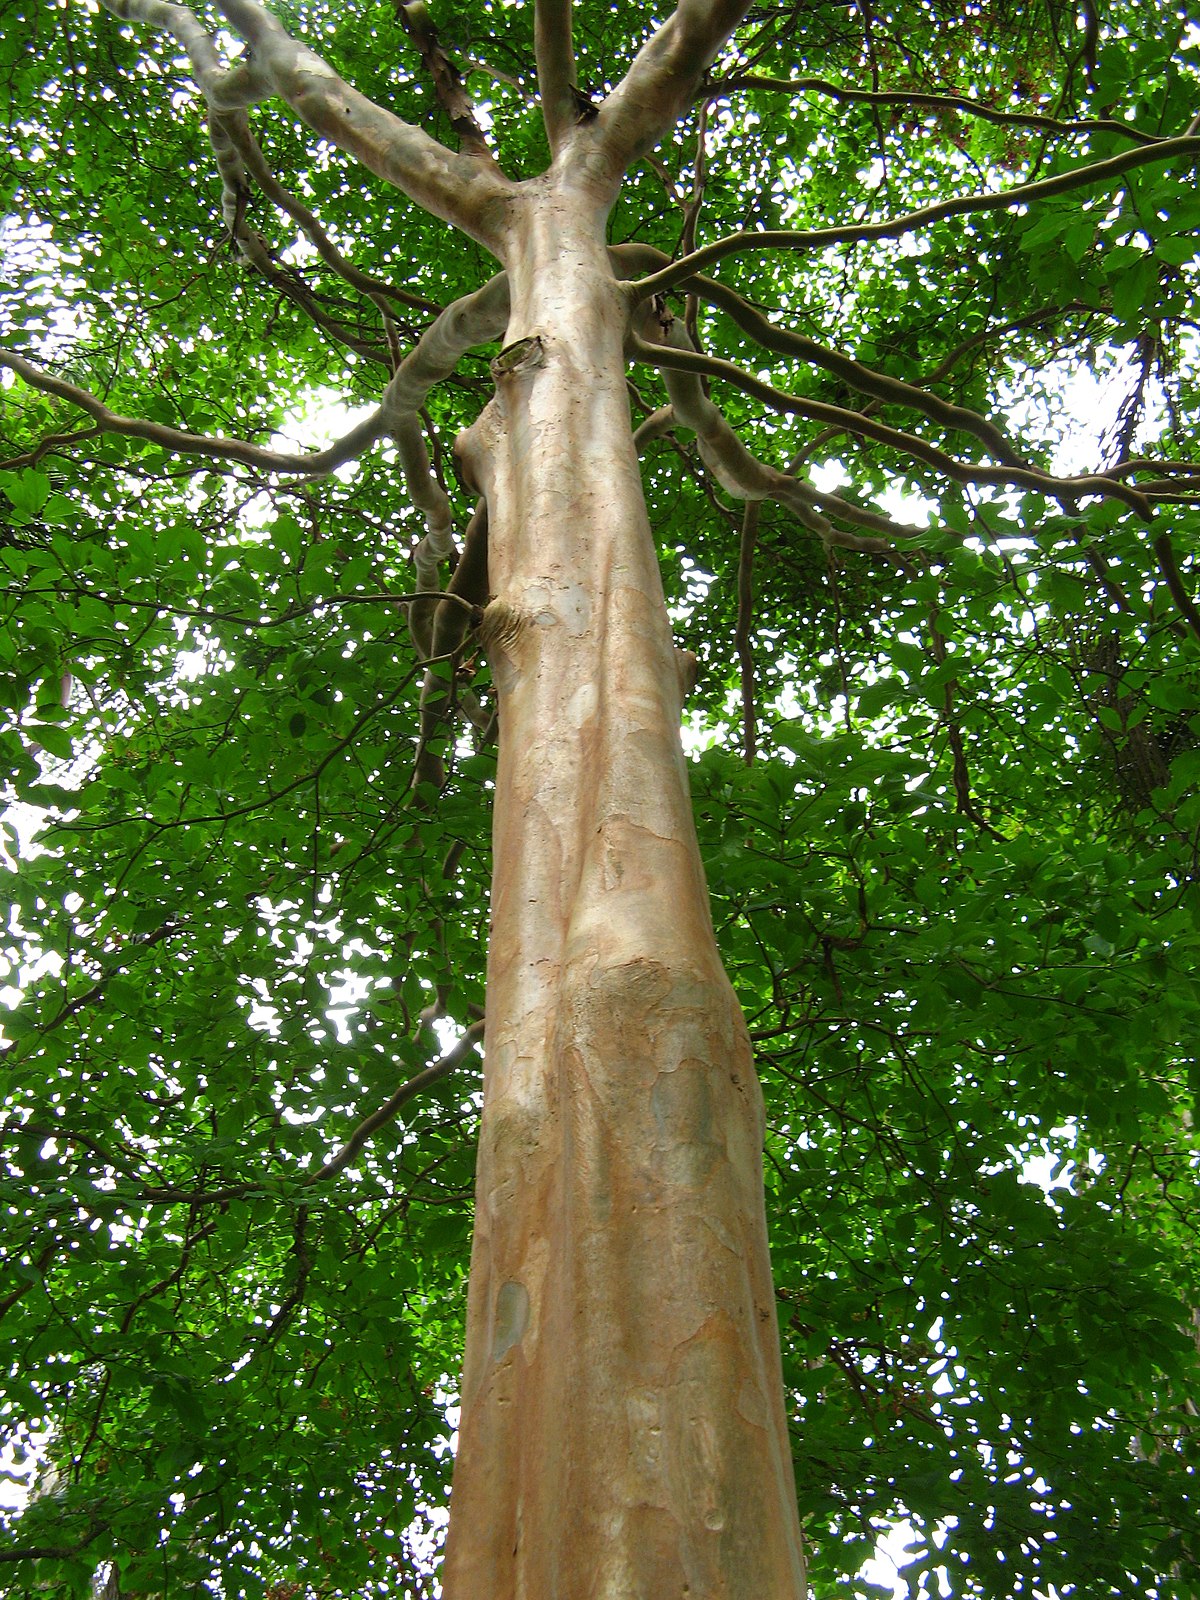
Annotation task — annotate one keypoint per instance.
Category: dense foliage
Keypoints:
(947, 796)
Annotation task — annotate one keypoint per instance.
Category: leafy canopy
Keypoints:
(946, 786)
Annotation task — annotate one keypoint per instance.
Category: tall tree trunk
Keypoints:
(623, 1431)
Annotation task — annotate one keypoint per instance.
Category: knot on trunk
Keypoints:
(502, 625)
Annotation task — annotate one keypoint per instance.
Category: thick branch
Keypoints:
(1066, 490)
(224, 88)
(661, 84)
(227, 91)
(470, 194)
(558, 80)
(474, 319)
(894, 227)
(932, 102)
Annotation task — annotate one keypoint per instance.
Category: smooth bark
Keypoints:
(623, 1431)
(661, 83)
(463, 189)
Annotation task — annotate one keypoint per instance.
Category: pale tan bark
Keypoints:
(623, 1432)
(467, 188)
(557, 79)
(662, 80)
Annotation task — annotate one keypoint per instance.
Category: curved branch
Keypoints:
(470, 194)
(1125, 469)
(474, 319)
(736, 469)
(1065, 490)
(558, 80)
(224, 87)
(315, 464)
(50, 444)
(932, 102)
(879, 385)
(227, 91)
(894, 227)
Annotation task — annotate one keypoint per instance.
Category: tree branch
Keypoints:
(288, 282)
(1169, 567)
(316, 464)
(742, 638)
(558, 79)
(376, 289)
(661, 83)
(879, 385)
(738, 472)
(227, 91)
(447, 84)
(1013, 325)
(443, 628)
(1065, 490)
(53, 1552)
(474, 319)
(465, 192)
(454, 1057)
(894, 227)
(932, 102)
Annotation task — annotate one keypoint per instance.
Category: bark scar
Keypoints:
(519, 356)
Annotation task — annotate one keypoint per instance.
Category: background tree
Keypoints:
(944, 763)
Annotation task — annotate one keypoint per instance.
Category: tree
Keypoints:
(943, 751)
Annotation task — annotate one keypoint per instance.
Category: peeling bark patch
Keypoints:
(512, 1318)
(566, 604)
(583, 704)
(752, 1405)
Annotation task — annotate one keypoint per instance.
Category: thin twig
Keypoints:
(745, 617)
